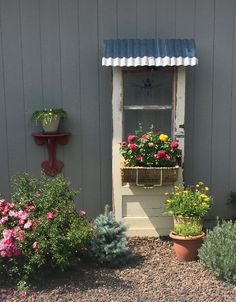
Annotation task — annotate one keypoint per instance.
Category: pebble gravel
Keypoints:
(154, 276)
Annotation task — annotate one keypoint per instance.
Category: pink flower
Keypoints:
(82, 213)
(7, 233)
(174, 144)
(132, 146)
(144, 137)
(167, 157)
(160, 154)
(131, 138)
(3, 254)
(28, 224)
(13, 213)
(34, 245)
(139, 157)
(123, 143)
(23, 293)
(30, 207)
(23, 215)
(3, 220)
(50, 215)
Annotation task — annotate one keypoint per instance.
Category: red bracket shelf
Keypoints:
(52, 166)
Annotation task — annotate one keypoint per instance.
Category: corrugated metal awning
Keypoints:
(149, 52)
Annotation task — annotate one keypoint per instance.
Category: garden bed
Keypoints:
(154, 276)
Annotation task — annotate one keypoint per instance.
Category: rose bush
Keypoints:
(150, 149)
(40, 229)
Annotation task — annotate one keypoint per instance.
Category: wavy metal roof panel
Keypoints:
(149, 52)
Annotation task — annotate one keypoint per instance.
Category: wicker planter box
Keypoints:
(149, 176)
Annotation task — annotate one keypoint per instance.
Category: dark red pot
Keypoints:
(186, 248)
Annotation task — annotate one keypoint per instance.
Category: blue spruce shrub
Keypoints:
(218, 252)
(109, 242)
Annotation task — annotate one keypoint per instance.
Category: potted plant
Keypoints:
(151, 158)
(187, 238)
(189, 203)
(49, 118)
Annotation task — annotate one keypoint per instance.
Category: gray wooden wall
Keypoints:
(50, 55)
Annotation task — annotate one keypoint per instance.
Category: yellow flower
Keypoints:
(204, 204)
(197, 185)
(177, 194)
(163, 137)
(200, 183)
(168, 200)
(166, 193)
(203, 196)
(206, 188)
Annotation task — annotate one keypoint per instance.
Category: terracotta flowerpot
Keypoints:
(186, 248)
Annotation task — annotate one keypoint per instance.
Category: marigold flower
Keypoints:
(163, 137)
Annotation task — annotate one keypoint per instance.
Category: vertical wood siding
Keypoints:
(50, 55)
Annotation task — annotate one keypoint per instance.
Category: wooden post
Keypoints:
(179, 132)
(117, 104)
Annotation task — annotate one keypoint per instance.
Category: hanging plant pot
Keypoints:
(186, 247)
(149, 176)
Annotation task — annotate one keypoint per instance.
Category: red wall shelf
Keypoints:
(52, 166)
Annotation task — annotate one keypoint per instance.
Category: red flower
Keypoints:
(139, 157)
(174, 144)
(123, 143)
(132, 146)
(131, 138)
(160, 154)
(144, 137)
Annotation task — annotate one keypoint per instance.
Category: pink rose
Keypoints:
(28, 224)
(174, 144)
(139, 157)
(131, 138)
(82, 213)
(50, 215)
(132, 146)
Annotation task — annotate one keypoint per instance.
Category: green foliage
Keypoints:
(48, 113)
(187, 229)
(53, 235)
(150, 149)
(109, 242)
(218, 251)
(191, 201)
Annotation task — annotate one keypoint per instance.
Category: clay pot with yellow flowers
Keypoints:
(150, 159)
(189, 204)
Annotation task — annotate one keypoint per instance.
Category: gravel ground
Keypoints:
(155, 276)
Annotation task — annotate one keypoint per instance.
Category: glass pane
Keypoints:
(159, 119)
(148, 87)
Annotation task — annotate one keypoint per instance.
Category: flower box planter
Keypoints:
(149, 176)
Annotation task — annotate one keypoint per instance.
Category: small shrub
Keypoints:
(218, 251)
(40, 230)
(109, 242)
